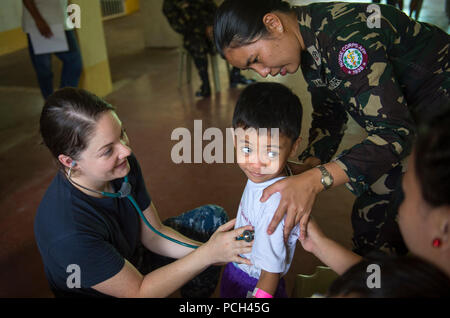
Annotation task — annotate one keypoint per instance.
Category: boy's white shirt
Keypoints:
(269, 252)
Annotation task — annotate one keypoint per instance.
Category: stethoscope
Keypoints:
(125, 192)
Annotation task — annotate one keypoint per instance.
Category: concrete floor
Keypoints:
(151, 107)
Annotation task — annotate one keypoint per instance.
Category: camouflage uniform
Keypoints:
(190, 18)
(387, 78)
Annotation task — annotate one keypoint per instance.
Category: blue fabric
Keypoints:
(198, 224)
(72, 66)
(97, 234)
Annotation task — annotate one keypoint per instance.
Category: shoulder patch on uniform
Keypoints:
(315, 54)
(353, 58)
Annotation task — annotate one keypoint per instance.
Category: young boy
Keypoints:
(267, 124)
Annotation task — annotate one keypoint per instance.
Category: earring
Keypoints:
(437, 242)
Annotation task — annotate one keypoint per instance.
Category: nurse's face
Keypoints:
(105, 158)
(276, 53)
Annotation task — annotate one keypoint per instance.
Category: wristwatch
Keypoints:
(327, 179)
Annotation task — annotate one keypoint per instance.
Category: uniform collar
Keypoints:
(304, 18)
(311, 57)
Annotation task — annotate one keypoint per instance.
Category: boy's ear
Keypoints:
(295, 147)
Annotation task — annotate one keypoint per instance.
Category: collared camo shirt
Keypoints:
(188, 16)
(384, 69)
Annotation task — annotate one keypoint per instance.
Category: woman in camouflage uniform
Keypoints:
(384, 69)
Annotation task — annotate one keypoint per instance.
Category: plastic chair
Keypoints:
(186, 59)
(317, 283)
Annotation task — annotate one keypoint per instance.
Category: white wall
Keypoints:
(10, 14)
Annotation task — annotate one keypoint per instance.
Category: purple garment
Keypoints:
(236, 283)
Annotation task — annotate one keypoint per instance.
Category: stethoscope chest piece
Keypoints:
(247, 236)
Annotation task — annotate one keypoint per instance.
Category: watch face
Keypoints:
(327, 180)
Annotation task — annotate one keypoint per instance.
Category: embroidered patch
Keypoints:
(318, 82)
(315, 54)
(353, 58)
(334, 83)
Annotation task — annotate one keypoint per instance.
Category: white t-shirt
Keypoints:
(52, 11)
(269, 252)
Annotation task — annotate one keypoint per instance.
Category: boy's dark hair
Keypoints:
(269, 105)
(400, 277)
(432, 154)
(239, 22)
(68, 120)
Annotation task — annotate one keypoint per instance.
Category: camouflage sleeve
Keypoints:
(373, 97)
(185, 16)
(176, 14)
(208, 11)
(327, 127)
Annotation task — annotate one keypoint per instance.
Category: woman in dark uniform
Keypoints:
(96, 245)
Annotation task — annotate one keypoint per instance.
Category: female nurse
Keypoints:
(372, 62)
(96, 245)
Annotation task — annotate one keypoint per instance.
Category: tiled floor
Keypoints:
(151, 107)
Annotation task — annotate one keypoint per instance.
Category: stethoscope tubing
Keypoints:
(127, 193)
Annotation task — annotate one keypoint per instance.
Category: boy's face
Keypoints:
(262, 153)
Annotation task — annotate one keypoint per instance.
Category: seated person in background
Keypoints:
(194, 21)
(267, 124)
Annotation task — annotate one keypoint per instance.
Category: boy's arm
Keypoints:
(268, 282)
